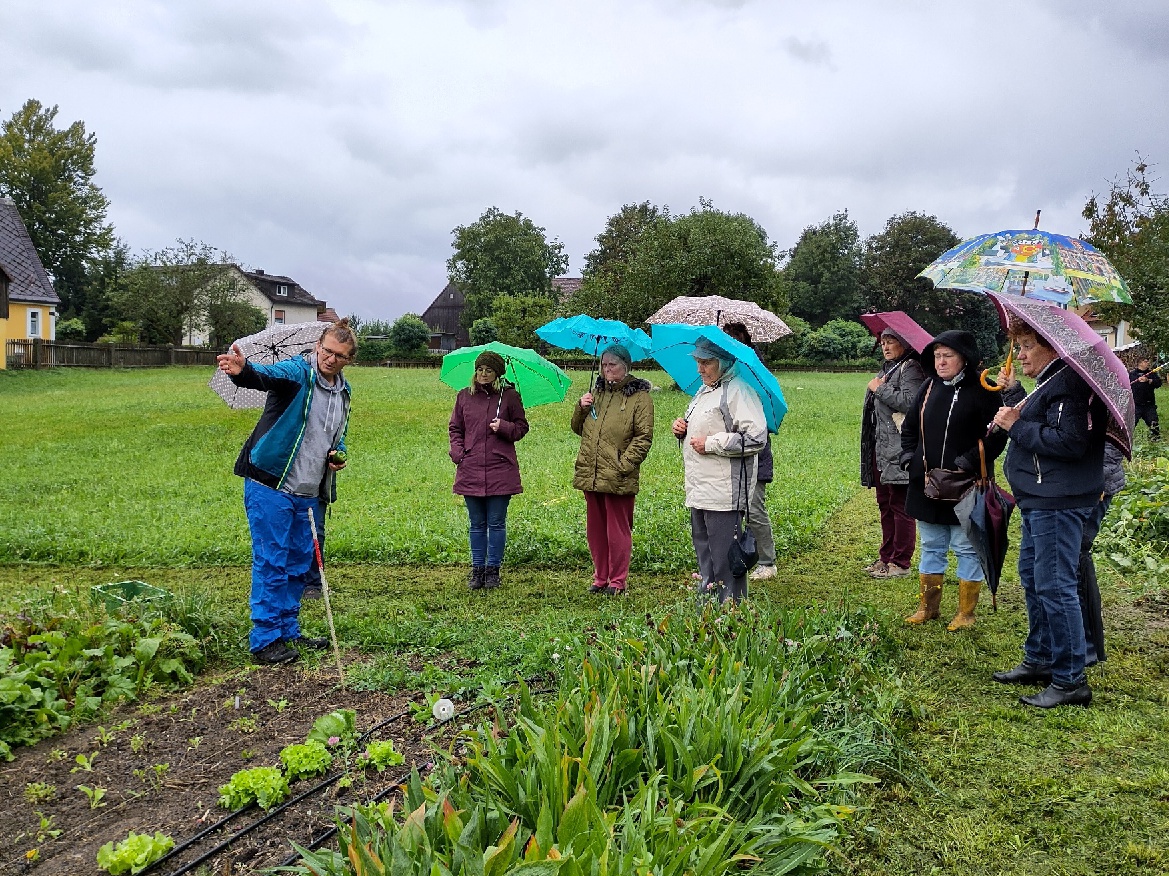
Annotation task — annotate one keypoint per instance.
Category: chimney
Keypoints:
(259, 271)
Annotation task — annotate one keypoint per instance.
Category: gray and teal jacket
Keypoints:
(270, 451)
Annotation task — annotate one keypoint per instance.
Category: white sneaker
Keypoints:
(760, 573)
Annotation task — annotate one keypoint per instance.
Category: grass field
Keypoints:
(134, 467)
(127, 474)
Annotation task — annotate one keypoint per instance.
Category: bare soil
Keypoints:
(203, 735)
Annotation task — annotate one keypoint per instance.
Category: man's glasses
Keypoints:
(325, 353)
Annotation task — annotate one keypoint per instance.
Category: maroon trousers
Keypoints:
(898, 529)
(609, 530)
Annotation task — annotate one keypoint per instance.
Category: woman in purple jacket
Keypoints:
(487, 421)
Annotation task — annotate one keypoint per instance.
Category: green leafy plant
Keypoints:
(264, 786)
(135, 853)
(35, 792)
(104, 737)
(245, 724)
(380, 754)
(279, 705)
(336, 728)
(84, 763)
(94, 795)
(310, 759)
(137, 742)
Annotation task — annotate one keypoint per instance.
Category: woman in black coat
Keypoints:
(951, 413)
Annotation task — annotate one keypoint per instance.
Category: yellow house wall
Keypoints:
(18, 319)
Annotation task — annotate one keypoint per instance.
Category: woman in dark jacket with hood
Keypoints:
(951, 413)
(485, 425)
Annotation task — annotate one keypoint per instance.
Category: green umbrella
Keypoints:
(536, 379)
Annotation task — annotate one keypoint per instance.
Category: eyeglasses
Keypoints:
(325, 353)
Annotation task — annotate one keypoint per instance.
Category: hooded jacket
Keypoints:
(268, 453)
(948, 424)
(615, 443)
(884, 413)
(1142, 393)
(731, 417)
(486, 460)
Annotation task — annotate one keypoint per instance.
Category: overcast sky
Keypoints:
(341, 142)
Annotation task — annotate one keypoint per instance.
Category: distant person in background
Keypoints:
(888, 399)
(288, 467)
(1144, 381)
(615, 422)
(759, 523)
(485, 425)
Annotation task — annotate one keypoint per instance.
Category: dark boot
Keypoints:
(273, 653)
(1058, 695)
(475, 579)
(929, 606)
(1024, 673)
(491, 577)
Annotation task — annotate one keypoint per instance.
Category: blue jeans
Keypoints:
(282, 549)
(488, 516)
(1049, 559)
(937, 540)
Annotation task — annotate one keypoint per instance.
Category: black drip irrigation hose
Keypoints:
(324, 783)
(227, 819)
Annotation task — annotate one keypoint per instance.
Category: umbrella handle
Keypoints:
(1008, 366)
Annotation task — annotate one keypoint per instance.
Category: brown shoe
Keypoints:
(875, 566)
(967, 601)
(892, 570)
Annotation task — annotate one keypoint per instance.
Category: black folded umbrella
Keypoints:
(985, 513)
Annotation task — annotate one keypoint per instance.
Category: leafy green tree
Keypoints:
(483, 331)
(48, 173)
(821, 279)
(94, 302)
(838, 339)
(372, 328)
(892, 259)
(1131, 227)
(502, 255)
(647, 257)
(409, 335)
(602, 291)
(70, 330)
(231, 320)
(516, 318)
(170, 293)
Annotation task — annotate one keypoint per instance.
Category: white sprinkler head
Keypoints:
(444, 709)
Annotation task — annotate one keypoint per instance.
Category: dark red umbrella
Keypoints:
(901, 323)
(985, 515)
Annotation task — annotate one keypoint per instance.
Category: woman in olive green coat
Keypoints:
(615, 423)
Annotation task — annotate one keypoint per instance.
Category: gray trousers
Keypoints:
(760, 525)
(712, 533)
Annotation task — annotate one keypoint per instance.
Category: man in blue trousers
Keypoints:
(288, 466)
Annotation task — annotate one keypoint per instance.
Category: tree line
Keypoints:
(505, 264)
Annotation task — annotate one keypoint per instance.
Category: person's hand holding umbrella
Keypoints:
(232, 362)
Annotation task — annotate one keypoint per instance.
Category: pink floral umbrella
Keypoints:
(900, 322)
(1088, 354)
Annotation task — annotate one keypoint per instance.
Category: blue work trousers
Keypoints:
(282, 549)
(488, 517)
(1049, 560)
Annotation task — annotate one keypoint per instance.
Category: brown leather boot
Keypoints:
(931, 599)
(967, 600)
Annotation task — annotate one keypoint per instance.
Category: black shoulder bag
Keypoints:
(942, 484)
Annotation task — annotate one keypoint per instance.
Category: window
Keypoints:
(278, 317)
(34, 323)
(282, 290)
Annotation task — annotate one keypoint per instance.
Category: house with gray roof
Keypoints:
(28, 302)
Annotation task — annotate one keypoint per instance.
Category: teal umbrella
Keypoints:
(536, 379)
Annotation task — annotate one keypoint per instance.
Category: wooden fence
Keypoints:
(39, 353)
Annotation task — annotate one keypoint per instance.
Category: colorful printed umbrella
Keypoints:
(273, 344)
(902, 323)
(763, 325)
(673, 344)
(536, 379)
(593, 336)
(1084, 350)
(1035, 264)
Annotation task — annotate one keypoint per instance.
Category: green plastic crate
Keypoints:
(118, 593)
